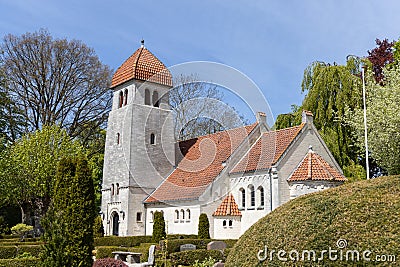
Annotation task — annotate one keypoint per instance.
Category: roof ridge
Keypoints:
(300, 127)
(320, 160)
(134, 67)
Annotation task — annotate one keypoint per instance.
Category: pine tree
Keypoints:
(204, 227)
(158, 227)
(69, 221)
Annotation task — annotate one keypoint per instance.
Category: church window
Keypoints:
(243, 197)
(176, 215)
(118, 138)
(156, 101)
(188, 214)
(147, 97)
(230, 223)
(252, 196)
(152, 139)
(117, 189)
(112, 189)
(182, 214)
(121, 99)
(261, 196)
(138, 216)
(126, 97)
(224, 223)
(151, 216)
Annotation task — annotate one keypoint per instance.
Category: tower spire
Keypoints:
(142, 42)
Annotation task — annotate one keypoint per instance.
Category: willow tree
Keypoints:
(330, 91)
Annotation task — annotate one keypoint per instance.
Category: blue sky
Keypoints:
(271, 42)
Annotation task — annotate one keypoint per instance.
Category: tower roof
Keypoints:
(314, 168)
(142, 65)
(228, 207)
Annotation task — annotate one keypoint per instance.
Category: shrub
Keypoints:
(190, 257)
(34, 250)
(98, 228)
(21, 230)
(109, 262)
(204, 227)
(8, 252)
(19, 262)
(69, 221)
(177, 236)
(158, 227)
(123, 241)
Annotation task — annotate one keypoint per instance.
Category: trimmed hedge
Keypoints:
(189, 257)
(20, 243)
(177, 236)
(19, 262)
(103, 252)
(123, 241)
(9, 252)
(174, 245)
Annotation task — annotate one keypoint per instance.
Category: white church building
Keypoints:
(235, 177)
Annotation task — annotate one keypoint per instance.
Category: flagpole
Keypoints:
(365, 125)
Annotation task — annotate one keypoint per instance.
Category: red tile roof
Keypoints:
(142, 65)
(228, 207)
(314, 167)
(203, 161)
(267, 150)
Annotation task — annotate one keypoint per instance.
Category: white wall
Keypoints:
(301, 188)
(227, 232)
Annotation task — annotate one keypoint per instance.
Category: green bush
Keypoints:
(106, 251)
(177, 236)
(204, 227)
(34, 250)
(98, 229)
(174, 245)
(189, 257)
(123, 241)
(16, 243)
(19, 262)
(364, 213)
(158, 227)
(8, 252)
(226, 252)
(229, 242)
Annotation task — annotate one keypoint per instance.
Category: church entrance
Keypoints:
(115, 223)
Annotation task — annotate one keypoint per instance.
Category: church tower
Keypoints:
(139, 150)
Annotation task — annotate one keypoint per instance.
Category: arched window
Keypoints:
(151, 216)
(156, 101)
(176, 215)
(230, 223)
(261, 196)
(121, 99)
(147, 97)
(224, 223)
(182, 214)
(126, 97)
(188, 214)
(243, 197)
(252, 196)
(152, 139)
(112, 189)
(118, 138)
(117, 189)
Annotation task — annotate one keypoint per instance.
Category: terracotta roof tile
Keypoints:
(314, 167)
(228, 207)
(267, 150)
(142, 65)
(202, 162)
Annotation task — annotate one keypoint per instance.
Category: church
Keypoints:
(235, 176)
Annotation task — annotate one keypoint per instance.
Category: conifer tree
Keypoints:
(158, 227)
(204, 227)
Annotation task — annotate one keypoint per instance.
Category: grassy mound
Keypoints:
(364, 215)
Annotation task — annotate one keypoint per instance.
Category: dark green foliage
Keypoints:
(122, 241)
(69, 221)
(98, 229)
(33, 250)
(204, 227)
(4, 229)
(362, 213)
(189, 257)
(19, 262)
(177, 236)
(8, 252)
(109, 262)
(158, 227)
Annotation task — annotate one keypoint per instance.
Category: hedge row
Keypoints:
(106, 251)
(177, 236)
(189, 257)
(123, 241)
(19, 263)
(9, 252)
(19, 243)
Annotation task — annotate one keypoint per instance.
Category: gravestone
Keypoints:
(217, 245)
(187, 247)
